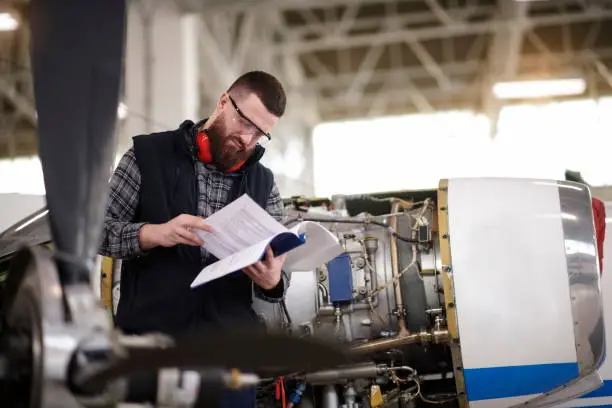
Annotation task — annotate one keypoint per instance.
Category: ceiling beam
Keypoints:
(365, 71)
(341, 81)
(504, 55)
(244, 39)
(22, 103)
(429, 63)
(215, 55)
(440, 13)
(269, 5)
(367, 23)
(424, 100)
(402, 103)
(430, 33)
(294, 80)
(17, 142)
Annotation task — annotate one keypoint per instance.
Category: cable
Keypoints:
(419, 391)
(349, 221)
(280, 392)
(393, 280)
(286, 311)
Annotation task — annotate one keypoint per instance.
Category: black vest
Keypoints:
(155, 292)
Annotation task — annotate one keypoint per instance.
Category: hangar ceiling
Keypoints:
(359, 58)
(362, 58)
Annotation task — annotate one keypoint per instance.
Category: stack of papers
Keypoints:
(242, 232)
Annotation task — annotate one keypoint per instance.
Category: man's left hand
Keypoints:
(267, 273)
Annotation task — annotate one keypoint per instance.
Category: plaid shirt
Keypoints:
(120, 232)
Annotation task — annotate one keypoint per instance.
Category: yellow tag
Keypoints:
(376, 398)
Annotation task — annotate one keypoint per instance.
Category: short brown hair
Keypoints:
(267, 88)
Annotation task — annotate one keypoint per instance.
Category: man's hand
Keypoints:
(178, 230)
(267, 273)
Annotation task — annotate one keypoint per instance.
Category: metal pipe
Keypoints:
(323, 294)
(371, 246)
(328, 310)
(352, 372)
(330, 397)
(437, 337)
(348, 332)
(396, 204)
(350, 396)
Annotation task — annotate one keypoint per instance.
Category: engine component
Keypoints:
(330, 397)
(350, 395)
(437, 337)
(376, 397)
(296, 396)
(369, 298)
(340, 279)
(399, 311)
(336, 375)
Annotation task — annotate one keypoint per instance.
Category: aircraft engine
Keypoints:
(483, 293)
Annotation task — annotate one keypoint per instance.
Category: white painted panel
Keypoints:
(510, 273)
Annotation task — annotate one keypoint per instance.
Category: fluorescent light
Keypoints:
(539, 88)
(8, 22)
(122, 111)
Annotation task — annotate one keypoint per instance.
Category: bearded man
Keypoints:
(165, 187)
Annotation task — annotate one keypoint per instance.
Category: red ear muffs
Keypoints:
(205, 155)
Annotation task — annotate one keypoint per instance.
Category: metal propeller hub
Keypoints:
(21, 347)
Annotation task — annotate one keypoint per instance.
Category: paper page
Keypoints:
(232, 263)
(321, 246)
(237, 226)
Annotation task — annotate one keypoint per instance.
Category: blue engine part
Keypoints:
(340, 275)
(297, 394)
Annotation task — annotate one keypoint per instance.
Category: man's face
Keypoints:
(234, 133)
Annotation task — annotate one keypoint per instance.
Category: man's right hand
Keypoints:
(178, 230)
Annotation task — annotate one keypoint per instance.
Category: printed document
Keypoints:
(242, 232)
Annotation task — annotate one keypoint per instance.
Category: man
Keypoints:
(165, 186)
(599, 216)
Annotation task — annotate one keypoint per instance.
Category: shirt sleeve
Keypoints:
(275, 208)
(120, 235)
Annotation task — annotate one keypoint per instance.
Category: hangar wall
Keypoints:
(166, 67)
(17, 206)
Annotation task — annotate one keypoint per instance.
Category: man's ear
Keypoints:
(223, 101)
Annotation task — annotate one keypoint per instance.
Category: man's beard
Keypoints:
(224, 154)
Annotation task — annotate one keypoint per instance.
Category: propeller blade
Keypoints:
(77, 61)
(249, 351)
